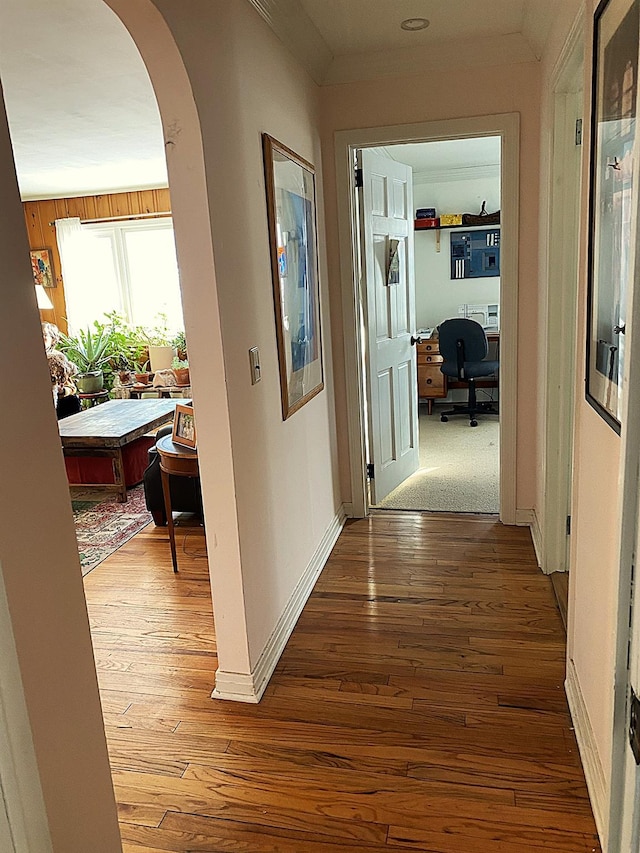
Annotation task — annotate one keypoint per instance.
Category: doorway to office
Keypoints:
(506, 127)
(452, 260)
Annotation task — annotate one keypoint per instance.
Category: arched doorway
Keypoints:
(43, 585)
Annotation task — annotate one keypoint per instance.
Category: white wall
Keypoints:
(285, 473)
(594, 543)
(437, 294)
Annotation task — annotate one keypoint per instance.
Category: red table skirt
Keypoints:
(99, 469)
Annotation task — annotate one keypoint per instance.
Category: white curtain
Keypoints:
(87, 270)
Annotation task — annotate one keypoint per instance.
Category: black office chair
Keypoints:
(464, 349)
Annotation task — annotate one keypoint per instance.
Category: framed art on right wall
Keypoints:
(613, 197)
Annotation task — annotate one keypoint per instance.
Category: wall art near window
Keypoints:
(613, 194)
(42, 267)
(291, 211)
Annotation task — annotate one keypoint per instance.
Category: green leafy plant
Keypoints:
(180, 344)
(179, 363)
(141, 365)
(90, 350)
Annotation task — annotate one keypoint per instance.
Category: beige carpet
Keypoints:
(459, 468)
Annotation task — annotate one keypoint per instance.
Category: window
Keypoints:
(133, 270)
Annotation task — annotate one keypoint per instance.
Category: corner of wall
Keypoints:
(249, 688)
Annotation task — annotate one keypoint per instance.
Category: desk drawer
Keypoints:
(431, 381)
(432, 347)
(429, 358)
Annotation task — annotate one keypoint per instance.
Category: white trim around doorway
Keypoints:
(507, 127)
(560, 299)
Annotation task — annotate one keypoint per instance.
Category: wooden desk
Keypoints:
(177, 461)
(106, 429)
(432, 383)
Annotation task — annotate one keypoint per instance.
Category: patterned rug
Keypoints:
(103, 524)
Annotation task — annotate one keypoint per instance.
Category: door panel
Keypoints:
(385, 418)
(405, 317)
(386, 224)
(399, 208)
(406, 396)
(382, 295)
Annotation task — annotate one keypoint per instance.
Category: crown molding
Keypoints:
(463, 173)
(482, 52)
(296, 30)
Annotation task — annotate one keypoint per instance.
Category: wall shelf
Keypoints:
(438, 228)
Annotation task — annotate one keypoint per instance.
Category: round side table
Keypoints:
(89, 400)
(176, 461)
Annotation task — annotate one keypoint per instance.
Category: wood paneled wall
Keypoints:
(40, 216)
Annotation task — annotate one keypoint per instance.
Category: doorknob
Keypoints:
(415, 341)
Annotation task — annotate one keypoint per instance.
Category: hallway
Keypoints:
(418, 705)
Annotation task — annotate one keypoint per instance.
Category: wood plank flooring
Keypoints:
(418, 705)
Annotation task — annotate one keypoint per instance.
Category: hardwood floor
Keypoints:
(418, 705)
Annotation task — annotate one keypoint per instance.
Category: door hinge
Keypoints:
(632, 591)
(370, 471)
(568, 525)
(634, 725)
(578, 131)
(359, 179)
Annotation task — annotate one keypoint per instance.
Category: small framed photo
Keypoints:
(42, 267)
(184, 426)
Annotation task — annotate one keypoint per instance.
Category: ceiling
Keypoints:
(363, 26)
(341, 41)
(83, 116)
(444, 160)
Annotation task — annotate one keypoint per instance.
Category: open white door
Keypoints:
(386, 214)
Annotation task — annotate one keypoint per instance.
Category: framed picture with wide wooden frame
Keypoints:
(291, 213)
(184, 426)
(612, 201)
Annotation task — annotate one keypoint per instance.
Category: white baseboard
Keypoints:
(524, 517)
(594, 774)
(529, 518)
(241, 687)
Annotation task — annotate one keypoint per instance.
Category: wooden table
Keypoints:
(177, 461)
(106, 429)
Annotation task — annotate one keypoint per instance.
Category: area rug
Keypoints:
(459, 468)
(103, 524)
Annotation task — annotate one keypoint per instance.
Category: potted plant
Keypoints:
(180, 345)
(159, 341)
(181, 369)
(141, 371)
(90, 351)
